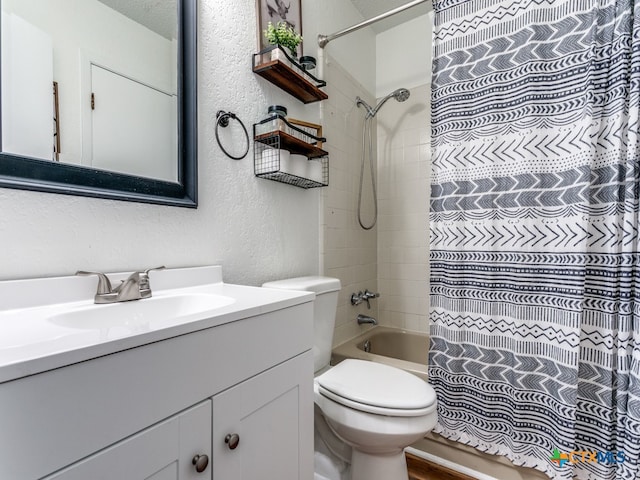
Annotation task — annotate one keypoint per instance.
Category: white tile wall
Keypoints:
(348, 252)
(403, 225)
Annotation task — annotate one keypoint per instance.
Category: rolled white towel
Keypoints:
(293, 164)
(314, 170)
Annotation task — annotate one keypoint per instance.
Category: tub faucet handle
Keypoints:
(356, 298)
(367, 295)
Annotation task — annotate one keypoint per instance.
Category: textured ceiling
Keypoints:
(159, 16)
(372, 8)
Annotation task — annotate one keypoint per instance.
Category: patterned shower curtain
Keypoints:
(535, 283)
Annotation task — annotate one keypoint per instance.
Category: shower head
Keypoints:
(401, 95)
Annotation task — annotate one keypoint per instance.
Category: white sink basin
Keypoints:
(141, 314)
(47, 323)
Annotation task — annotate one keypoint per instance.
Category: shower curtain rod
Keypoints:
(324, 39)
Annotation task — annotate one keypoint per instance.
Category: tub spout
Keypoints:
(365, 319)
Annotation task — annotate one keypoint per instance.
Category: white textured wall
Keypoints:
(257, 229)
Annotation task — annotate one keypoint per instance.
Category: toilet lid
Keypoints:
(377, 385)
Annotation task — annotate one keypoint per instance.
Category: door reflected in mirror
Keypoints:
(114, 64)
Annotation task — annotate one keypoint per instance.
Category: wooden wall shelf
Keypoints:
(292, 144)
(293, 80)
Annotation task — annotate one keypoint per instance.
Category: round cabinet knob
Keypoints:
(201, 462)
(233, 439)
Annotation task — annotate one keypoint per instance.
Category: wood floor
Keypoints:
(420, 469)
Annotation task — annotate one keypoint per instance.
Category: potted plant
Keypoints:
(283, 35)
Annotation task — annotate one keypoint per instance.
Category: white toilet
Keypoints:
(376, 409)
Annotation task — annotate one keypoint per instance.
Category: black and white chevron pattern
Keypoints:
(534, 224)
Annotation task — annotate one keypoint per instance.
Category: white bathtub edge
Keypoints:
(447, 464)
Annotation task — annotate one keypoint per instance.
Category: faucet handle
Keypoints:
(356, 298)
(367, 295)
(104, 285)
(146, 272)
(145, 286)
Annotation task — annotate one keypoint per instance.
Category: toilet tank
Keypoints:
(324, 311)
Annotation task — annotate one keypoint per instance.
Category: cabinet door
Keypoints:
(162, 452)
(272, 415)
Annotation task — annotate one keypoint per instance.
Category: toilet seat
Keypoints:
(377, 388)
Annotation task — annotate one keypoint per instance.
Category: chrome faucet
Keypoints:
(135, 287)
(365, 319)
(358, 298)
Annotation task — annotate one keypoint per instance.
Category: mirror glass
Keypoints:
(98, 98)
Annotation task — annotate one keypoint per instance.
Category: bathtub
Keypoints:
(399, 348)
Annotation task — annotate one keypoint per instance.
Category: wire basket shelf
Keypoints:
(276, 148)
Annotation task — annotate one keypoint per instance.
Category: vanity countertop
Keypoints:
(43, 327)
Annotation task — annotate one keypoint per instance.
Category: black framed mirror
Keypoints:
(31, 172)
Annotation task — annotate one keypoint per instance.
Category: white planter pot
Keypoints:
(278, 54)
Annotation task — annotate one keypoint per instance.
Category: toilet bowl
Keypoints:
(376, 409)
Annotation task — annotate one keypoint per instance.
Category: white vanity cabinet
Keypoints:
(145, 412)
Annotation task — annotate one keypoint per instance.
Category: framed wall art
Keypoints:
(275, 11)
